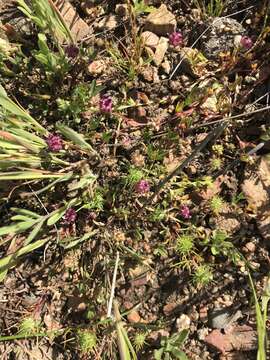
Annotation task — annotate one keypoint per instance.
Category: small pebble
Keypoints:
(249, 247)
(183, 322)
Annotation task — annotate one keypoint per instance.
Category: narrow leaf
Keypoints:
(72, 135)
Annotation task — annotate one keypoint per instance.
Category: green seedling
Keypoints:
(171, 347)
(221, 245)
(134, 175)
(203, 275)
(77, 103)
(216, 204)
(185, 246)
(55, 64)
(87, 340)
(216, 164)
(29, 326)
(139, 340)
(140, 7)
(158, 214)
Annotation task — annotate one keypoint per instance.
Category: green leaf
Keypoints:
(17, 228)
(95, 89)
(179, 339)
(75, 242)
(29, 136)
(9, 145)
(9, 261)
(56, 216)
(26, 212)
(125, 348)
(179, 354)
(34, 232)
(158, 354)
(20, 218)
(24, 6)
(72, 135)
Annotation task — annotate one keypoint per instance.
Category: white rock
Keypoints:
(150, 39)
(108, 23)
(160, 50)
(183, 322)
(96, 67)
(161, 21)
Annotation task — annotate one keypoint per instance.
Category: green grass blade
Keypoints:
(9, 261)
(124, 344)
(261, 326)
(29, 136)
(28, 175)
(17, 110)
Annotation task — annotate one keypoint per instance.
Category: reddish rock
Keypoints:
(133, 316)
(203, 313)
(237, 337)
(169, 308)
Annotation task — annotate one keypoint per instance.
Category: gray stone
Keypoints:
(221, 318)
(221, 37)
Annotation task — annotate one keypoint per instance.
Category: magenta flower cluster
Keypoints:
(142, 187)
(72, 51)
(176, 38)
(246, 42)
(185, 212)
(54, 142)
(70, 216)
(105, 104)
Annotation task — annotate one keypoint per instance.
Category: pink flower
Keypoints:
(54, 142)
(185, 212)
(105, 104)
(142, 187)
(70, 216)
(176, 38)
(246, 42)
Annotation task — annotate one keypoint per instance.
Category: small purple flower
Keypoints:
(142, 186)
(70, 216)
(54, 142)
(105, 104)
(246, 42)
(185, 212)
(72, 51)
(176, 38)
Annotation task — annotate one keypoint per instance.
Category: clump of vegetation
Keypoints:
(29, 326)
(115, 172)
(87, 340)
